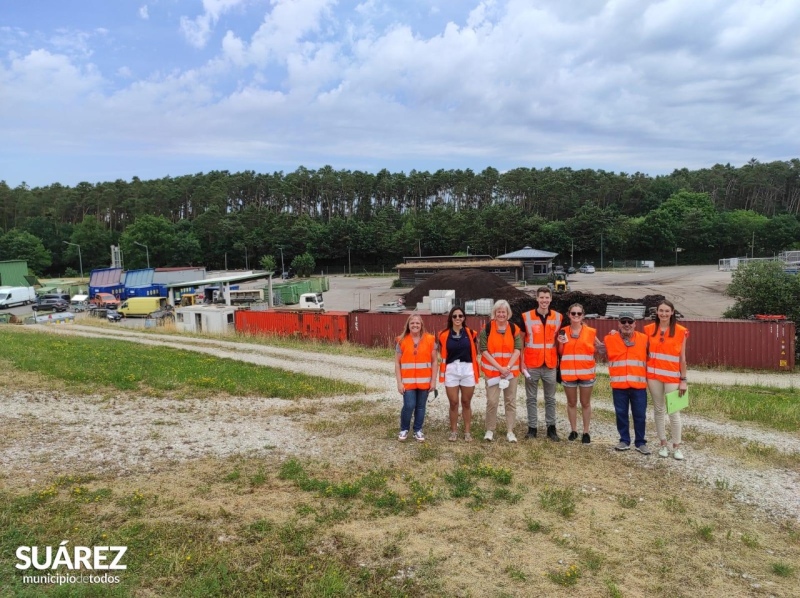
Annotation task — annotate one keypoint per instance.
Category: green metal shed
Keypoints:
(14, 273)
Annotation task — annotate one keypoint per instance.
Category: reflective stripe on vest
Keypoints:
(626, 365)
(473, 336)
(664, 361)
(416, 369)
(501, 347)
(540, 341)
(577, 358)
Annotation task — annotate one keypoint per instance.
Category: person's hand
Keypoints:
(562, 338)
(613, 331)
(504, 372)
(400, 388)
(683, 386)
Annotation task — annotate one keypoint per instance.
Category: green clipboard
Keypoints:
(676, 402)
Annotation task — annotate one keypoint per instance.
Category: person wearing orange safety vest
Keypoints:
(577, 346)
(626, 351)
(458, 369)
(415, 371)
(500, 344)
(666, 372)
(540, 360)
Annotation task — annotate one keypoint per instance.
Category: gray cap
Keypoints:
(627, 314)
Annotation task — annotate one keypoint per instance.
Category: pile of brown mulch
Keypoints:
(469, 284)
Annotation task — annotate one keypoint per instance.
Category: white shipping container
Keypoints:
(441, 305)
(469, 308)
(483, 307)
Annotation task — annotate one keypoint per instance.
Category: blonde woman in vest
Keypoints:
(500, 345)
(415, 373)
(577, 345)
(666, 372)
(458, 369)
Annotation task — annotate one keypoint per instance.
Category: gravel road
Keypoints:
(52, 434)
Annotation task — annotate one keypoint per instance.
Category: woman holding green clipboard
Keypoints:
(666, 373)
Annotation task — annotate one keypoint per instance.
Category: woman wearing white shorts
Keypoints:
(458, 369)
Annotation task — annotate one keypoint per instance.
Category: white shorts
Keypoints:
(459, 373)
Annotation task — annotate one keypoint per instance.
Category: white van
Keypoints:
(11, 296)
(79, 303)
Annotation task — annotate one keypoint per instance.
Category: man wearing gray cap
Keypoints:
(627, 360)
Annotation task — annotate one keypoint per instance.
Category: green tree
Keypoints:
(304, 264)
(268, 263)
(95, 242)
(764, 288)
(21, 245)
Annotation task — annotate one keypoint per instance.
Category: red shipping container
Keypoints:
(329, 326)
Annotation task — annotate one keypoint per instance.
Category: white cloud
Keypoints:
(198, 30)
(143, 12)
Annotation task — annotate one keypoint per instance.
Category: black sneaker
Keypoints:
(531, 433)
(586, 439)
(572, 435)
(552, 434)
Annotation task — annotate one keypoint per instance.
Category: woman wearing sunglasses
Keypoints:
(458, 369)
(416, 376)
(578, 344)
(666, 372)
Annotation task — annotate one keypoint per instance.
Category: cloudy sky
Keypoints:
(96, 90)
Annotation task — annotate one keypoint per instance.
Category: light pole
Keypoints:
(467, 249)
(677, 249)
(349, 265)
(283, 270)
(572, 254)
(146, 250)
(80, 259)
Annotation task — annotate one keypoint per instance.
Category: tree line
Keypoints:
(222, 219)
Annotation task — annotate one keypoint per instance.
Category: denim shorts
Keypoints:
(459, 373)
(581, 383)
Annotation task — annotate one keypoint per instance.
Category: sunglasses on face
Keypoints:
(576, 313)
(459, 316)
(626, 322)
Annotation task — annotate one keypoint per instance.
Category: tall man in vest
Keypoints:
(627, 360)
(540, 360)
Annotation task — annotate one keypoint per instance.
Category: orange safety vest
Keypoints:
(501, 347)
(626, 365)
(472, 335)
(664, 362)
(540, 341)
(577, 357)
(416, 368)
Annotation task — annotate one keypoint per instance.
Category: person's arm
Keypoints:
(484, 347)
(683, 385)
(516, 353)
(434, 363)
(397, 372)
(599, 347)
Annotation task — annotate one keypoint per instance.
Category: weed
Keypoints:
(591, 559)
(258, 479)
(558, 500)
(427, 452)
(233, 476)
(461, 483)
(613, 590)
(706, 532)
(516, 573)
(566, 578)
(626, 501)
(750, 541)
(722, 484)
(535, 526)
(782, 569)
(674, 505)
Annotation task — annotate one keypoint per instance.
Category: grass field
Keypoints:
(381, 518)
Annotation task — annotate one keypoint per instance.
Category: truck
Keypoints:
(11, 296)
(308, 302)
(558, 282)
(141, 307)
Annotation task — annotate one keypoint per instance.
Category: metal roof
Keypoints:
(138, 278)
(527, 253)
(221, 280)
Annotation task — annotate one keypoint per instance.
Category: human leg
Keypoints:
(572, 407)
(531, 392)
(492, 399)
(656, 388)
(621, 398)
(586, 406)
(466, 407)
(638, 399)
(419, 409)
(675, 427)
(549, 384)
(409, 404)
(452, 398)
(510, 404)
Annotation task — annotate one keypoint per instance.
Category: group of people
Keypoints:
(549, 350)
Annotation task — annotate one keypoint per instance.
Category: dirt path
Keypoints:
(125, 434)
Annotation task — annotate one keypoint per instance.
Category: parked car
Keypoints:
(571, 270)
(106, 300)
(586, 269)
(51, 304)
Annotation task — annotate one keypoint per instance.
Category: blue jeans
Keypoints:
(414, 401)
(636, 399)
